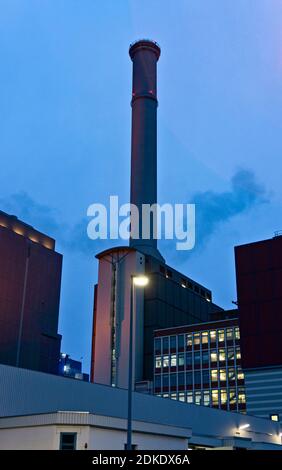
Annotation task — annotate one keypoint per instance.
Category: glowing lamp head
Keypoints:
(244, 426)
(140, 281)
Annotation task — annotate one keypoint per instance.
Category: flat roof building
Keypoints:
(30, 283)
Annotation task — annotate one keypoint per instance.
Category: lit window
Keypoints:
(215, 397)
(241, 395)
(221, 336)
(190, 397)
(188, 359)
(274, 417)
(157, 345)
(196, 338)
(232, 396)
(237, 332)
(229, 334)
(173, 342)
(222, 355)
(212, 336)
(180, 360)
(222, 375)
(206, 398)
(173, 360)
(165, 361)
(230, 354)
(213, 356)
(214, 375)
(198, 398)
(205, 357)
(180, 341)
(205, 337)
(197, 359)
(238, 353)
(158, 362)
(223, 397)
(189, 340)
(231, 374)
(165, 395)
(173, 396)
(240, 374)
(181, 396)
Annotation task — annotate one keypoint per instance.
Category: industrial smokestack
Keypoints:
(144, 55)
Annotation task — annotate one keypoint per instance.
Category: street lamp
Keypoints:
(138, 281)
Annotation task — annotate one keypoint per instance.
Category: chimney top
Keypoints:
(144, 44)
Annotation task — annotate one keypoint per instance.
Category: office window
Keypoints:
(198, 398)
(197, 359)
(181, 396)
(221, 336)
(196, 289)
(189, 340)
(205, 357)
(214, 375)
(229, 334)
(274, 417)
(232, 396)
(237, 332)
(189, 378)
(231, 374)
(196, 338)
(165, 380)
(203, 294)
(173, 342)
(212, 336)
(173, 360)
(169, 273)
(213, 356)
(206, 376)
(158, 362)
(205, 337)
(165, 362)
(238, 353)
(215, 397)
(223, 396)
(190, 285)
(241, 395)
(158, 381)
(190, 397)
(165, 343)
(240, 374)
(173, 396)
(68, 440)
(183, 283)
(188, 359)
(222, 375)
(180, 359)
(222, 355)
(165, 395)
(180, 379)
(173, 381)
(180, 341)
(230, 354)
(206, 398)
(158, 345)
(197, 377)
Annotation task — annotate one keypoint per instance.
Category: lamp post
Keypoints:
(138, 281)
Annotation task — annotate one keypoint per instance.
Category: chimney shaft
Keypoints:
(144, 55)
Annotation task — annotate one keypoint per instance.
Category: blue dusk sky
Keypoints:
(65, 128)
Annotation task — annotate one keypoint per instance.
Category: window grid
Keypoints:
(193, 362)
